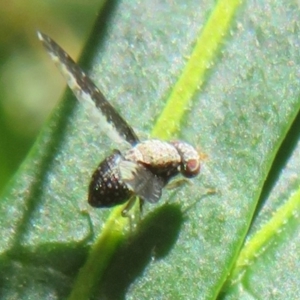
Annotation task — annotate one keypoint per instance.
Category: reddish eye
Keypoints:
(191, 168)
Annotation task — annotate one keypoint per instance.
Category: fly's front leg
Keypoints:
(177, 183)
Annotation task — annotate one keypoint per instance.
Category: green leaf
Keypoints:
(140, 56)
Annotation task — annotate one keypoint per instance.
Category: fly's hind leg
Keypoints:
(128, 207)
(133, 211)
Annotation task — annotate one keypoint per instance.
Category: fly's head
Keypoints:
(190, 159)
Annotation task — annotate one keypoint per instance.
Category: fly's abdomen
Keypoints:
(106, 188)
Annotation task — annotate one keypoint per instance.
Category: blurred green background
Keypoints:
(30, 85)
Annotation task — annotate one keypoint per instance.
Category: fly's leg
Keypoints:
(142, 202)
(128, 207)
(177, 183)
(91, 227)
(132, 211)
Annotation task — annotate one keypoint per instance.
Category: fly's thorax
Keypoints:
(156, 154)
(190, 159)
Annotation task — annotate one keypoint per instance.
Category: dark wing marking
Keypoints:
(141, 181)
(87, 93)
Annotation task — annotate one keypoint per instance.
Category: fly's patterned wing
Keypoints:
(86, 92)
(143, 182)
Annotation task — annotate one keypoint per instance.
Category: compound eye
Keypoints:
(191, 168)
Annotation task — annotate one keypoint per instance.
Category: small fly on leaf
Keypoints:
(146, 167)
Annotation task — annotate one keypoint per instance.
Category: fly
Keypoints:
(143, 170)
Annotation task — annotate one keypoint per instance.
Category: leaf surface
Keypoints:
(239, 115)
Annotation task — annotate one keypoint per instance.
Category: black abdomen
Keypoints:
(106, 188)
